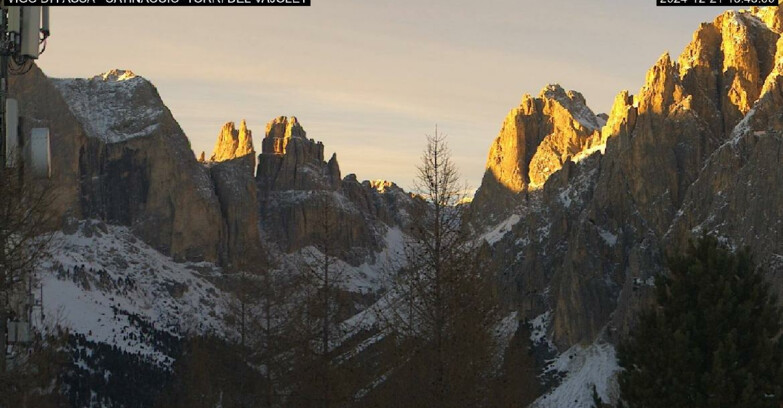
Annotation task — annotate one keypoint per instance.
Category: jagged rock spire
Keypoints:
(233, 143)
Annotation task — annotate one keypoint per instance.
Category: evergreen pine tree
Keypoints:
(712, 339)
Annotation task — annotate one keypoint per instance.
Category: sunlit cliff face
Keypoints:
(539, 136)
(233, 143)
(279, 132)
(542, 133)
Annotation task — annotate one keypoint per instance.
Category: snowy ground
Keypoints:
(106, 284)
(103, 282)
(583, 367)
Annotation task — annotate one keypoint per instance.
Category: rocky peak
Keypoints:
(668, 172)
(574, 103)
(622, 117)
(333, 169)
(381, 185)
(536, 138)
(297, 190)
(662, 87)
(290, 161)
(114, 106)
(116, 75)
(233, 143)
(136, 167)
(726, 63)
(279, 132)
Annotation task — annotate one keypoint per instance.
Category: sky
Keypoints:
(371, 78)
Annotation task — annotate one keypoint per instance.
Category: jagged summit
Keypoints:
(536, 139)
(233, 143)
(726, 64)
(382, 185)
(278, 133)
(718, 78)
(290, 161)
(117, 75)
(574, 102)
(298, 190)
(695, 150)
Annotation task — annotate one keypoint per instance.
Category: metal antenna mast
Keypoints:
(23, 30)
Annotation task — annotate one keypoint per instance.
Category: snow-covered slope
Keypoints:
(582, 368)
(108, 285)
(105, 283)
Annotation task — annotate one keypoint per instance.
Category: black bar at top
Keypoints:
(128, 3)
(720, 3)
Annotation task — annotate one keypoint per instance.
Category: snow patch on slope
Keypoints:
(539, 328)
(504, 331)
(500, 230)
(577, 189)
(589, 152)
(583, 367)
(743, 128)
(609, 238)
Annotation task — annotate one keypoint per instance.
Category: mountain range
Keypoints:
(577, 212)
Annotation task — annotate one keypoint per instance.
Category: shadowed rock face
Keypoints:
(154, 185)
(119, 155)
(698, 149)
(237, 193)
(231, 168)
(298, 190)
